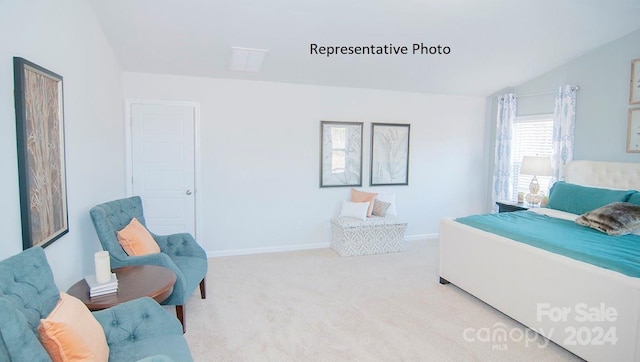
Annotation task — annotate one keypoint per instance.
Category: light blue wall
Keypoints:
(602, 101)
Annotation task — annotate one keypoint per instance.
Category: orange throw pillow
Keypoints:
(136, 240)
(71, 333)
(361, 196)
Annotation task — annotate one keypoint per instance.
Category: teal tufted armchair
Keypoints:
(135, 330)
(179, 252)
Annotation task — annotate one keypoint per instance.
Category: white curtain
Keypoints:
(502, 186)
(564, 123)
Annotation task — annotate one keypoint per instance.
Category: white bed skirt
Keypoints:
(548, 293)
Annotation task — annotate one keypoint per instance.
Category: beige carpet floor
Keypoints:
(317, 306)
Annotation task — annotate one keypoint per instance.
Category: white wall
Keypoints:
(260, 157)
(64, 37)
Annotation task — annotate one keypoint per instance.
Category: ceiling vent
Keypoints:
(247, 59)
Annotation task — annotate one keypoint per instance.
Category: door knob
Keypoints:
(189, 192)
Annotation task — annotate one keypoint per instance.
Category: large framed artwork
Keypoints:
(634, 83)
(340, 153)
(389, 154)
(41, 153)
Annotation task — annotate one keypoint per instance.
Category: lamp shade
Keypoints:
(536, 166)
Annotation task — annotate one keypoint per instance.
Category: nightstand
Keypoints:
(509, 206)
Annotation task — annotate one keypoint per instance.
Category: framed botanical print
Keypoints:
(340, 153)
(633, 131)
(634, 85)
(389, 154)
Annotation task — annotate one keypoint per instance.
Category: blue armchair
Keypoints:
(135, 330)
(179, 252)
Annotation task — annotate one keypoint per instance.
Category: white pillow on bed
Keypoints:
(354, 209)
(558, 214)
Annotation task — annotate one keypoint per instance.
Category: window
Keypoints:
(531, 136)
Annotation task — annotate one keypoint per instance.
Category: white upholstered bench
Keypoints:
(375, 235)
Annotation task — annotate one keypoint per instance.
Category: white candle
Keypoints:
(103, 266)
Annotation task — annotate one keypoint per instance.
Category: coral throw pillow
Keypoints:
(136, 239)
(361, 196)
(71, 333)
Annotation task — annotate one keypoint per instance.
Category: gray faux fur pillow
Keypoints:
(380, 207)
(617, 218)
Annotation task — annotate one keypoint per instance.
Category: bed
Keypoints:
(589, 310)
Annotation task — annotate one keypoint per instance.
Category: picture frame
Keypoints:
(389, 154)
(633, 131)
(41, 153)
(340, 153)
(634, 82)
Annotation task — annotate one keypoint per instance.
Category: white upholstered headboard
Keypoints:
(612, 175)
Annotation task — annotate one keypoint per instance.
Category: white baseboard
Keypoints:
(278, 249)
(420, 237)
(269, 249)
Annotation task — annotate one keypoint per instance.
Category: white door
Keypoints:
(163, 165)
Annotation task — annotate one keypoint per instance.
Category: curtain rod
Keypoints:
(575, 87)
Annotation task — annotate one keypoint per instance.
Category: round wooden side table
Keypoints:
(133, 282)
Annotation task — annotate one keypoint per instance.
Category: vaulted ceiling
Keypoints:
(493, 43)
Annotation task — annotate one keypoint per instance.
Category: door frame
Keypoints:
(196, 152)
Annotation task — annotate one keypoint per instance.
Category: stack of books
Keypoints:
(97, 289)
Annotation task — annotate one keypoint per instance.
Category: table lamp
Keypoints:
(535, 166)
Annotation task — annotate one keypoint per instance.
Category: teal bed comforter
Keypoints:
(564, 237)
